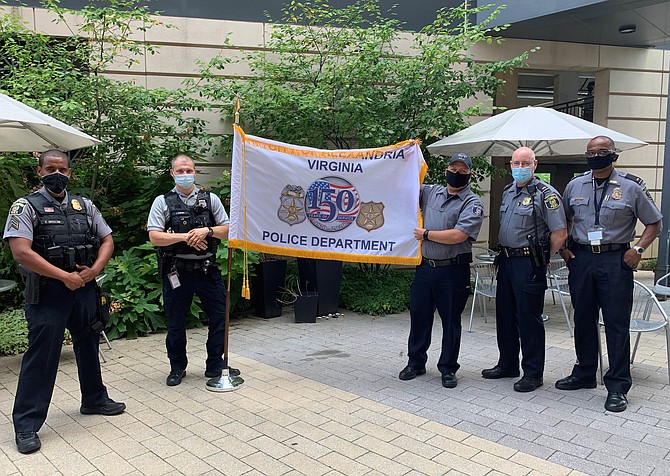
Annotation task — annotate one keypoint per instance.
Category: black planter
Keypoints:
(267, 286)
(305, 307)
(323, 277)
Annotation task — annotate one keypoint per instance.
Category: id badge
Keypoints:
(595, 236)
(173, 278)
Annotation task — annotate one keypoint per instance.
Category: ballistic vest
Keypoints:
(63, 237)
(184, 218)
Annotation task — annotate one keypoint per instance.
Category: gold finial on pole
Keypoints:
(237, 110)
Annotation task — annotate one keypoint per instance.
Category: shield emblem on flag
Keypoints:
(292, 205)
(371, 216)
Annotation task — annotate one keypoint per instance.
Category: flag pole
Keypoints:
(227, 382)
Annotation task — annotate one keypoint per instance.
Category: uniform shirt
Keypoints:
(625, 202)
(516, 213)
(23, 218)
(441, 211)
(160, 215)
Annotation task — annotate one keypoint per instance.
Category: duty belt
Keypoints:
(515, 252)
(600, 248)
(464, 258)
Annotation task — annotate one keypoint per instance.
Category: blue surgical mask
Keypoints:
(522, 174)
(184, 180)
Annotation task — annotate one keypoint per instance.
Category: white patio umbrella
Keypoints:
(545, 130)
(24, 129)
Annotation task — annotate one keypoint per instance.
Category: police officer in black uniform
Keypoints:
(532, 226)
(61, 243)
(603, 207)
(452, 217)
(186, 225)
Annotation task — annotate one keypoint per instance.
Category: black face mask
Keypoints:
(598, 162)
(457, 180)
(55, 182)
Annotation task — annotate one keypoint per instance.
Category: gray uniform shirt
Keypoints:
(516, 213)
(23, 218)
(159, 214)
(463, 212)
(625, 201)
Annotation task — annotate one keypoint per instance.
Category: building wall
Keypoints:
(630, 97)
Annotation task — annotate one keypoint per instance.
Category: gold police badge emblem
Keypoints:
(292, 205)
(526, 201)
(75, 204)
(616, 193)
(371, 216)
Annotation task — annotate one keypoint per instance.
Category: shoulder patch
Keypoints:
(477, 210)
(551, 201)
(17, 208)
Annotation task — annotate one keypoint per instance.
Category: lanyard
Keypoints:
(598, 204)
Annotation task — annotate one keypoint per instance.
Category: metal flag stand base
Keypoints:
(225, 383)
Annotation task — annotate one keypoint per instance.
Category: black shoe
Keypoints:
(527, 384)
(175, 377)
(616, 402)
(449, 380)
(573, 383)
(217, 373)
(408, 373)
(109, 408)
(499, 372)
(27, 442)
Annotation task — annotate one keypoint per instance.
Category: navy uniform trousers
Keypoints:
(446, 289)
(602, 281)
(177, 302)
(58, 308)
(519, 305)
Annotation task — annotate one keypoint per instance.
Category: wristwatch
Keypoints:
(211, 232)
(639, 249)
(425, 235)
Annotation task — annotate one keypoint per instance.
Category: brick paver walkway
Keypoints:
(324, 399)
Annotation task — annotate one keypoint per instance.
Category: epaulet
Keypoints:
(580, 175)
(544, 188)
(508, 186)
(635, 178)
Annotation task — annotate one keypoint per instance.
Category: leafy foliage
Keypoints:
(376, 292)
(336, 77)
(13, 332)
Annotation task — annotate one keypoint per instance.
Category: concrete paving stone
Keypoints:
(150, 464)
(344, 464)
(511, 430)
(383, 465)
(564, 446)
(504, 465)
(528, 447)
(639, 448)
(614, 426)
(453, 461)
(187, 464)
(307, 447)
(443, 443)
(271, 447)
(304, 464)
(35, 464)
(274, 431)
(162, 446)
(111, 463)
(477, 418)
(126, 446)
(342, 430)
(589, 467)
(139, 431)
(372, 429)
(341, 446)
(420, 464)
(383, 448)
(621, 464)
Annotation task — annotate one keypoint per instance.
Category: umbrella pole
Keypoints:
(226, 382)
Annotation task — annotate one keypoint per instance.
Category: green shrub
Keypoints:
(13, 332)
(136, 291)
(376, 292)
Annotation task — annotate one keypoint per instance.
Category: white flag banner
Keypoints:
(358, 205)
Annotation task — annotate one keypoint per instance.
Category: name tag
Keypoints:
(595, 236)
(173, 278)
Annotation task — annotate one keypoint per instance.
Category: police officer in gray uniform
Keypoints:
(62, 243)
(532, 226)
(452, 217)
(186, 225)
(603, 207)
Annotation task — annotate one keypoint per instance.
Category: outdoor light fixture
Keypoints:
(626, 29)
